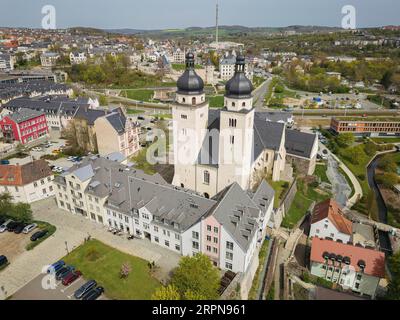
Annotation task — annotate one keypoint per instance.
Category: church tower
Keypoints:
(236, 130)
(190, 120)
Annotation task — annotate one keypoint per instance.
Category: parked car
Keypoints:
(19, 228)
(55, 266)
(38, 235)
(91, 284)
(5, 162)
(12, 226)
(63, 272)
(3, 227)
(37, 149)
(93, 294)
(71, 277)
(29, 228)
(2, 220)
(3, 260)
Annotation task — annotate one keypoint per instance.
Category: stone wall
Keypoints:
(303, 166)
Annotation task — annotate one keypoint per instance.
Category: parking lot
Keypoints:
(45, 287)
(13, 245)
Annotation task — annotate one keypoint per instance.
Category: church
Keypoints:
(214, 148)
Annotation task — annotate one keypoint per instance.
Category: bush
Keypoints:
(361, 176)
(42, 225)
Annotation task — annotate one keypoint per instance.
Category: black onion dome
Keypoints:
(189, 82)
(239, 86)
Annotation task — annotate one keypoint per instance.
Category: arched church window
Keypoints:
(243, 104)
(206, 195)
(183, 100)
(194, 100)
(233, 104)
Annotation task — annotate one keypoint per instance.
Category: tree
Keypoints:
(387, 179)
(393, 292)
(190, 295)
(169, 292)
(5, 203)
(21, 212)
(345, 139)
(125, 270)
(387, 164)
(103, 101)
(370, 148)
(197, 275)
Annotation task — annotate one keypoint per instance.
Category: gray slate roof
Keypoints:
(24, 115)
(299, 143)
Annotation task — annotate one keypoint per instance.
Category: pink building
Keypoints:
(24, 126)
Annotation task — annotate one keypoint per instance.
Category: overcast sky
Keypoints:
(162, 14)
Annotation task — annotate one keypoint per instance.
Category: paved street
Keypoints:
(71, 232)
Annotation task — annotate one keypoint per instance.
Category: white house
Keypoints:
(327, 221)
(27, 183)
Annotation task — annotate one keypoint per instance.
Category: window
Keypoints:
(229, 245)
(359, 277)
(232, 139)
(184, 116)
(243, 104)
(232, 123)
(332, 235)
(317, 231)
(208, 228)
(195, 235)
(137, 221)
(215, 229)
(156, 239)
(228, 265)
(195, 245)
(206, 177)
(155, 229)
(215, 250)
(229, 256)
(326, 226)
(177, 247)
(357, 285)
(208, 248)
(215, 240)
(209, 238)
(177, 236)
(166, 242)
(194, 100)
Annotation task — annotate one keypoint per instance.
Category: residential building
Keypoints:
(228, 228)
(370, 126)
(6, 62)
(227, 67)
(49, 59)
(24, 126)
(327, 221)
(116, 133)
(27, 183)
(178, 56)
(77, 57)
(354, 268)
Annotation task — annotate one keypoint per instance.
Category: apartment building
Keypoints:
(228, 228)
(370, 126)
(27, 183)
(49, 59)
(77, 57)
(24, 126)
(354, 268)
(116, 133)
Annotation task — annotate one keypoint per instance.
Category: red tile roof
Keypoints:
(330, 209)
(374, 260)
(22, 175)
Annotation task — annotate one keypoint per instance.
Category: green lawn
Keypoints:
(103, 263)
(140, 95)
(216, 101)
(320, 171)
(134, 111)
(386, 140)
(182, 66)
(162, 115)
(256, 280)
(305, 196)
(280, 188)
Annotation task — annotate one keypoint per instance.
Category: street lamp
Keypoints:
(66, 247)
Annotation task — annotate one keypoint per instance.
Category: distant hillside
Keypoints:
(224, 31)
(85, 30)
